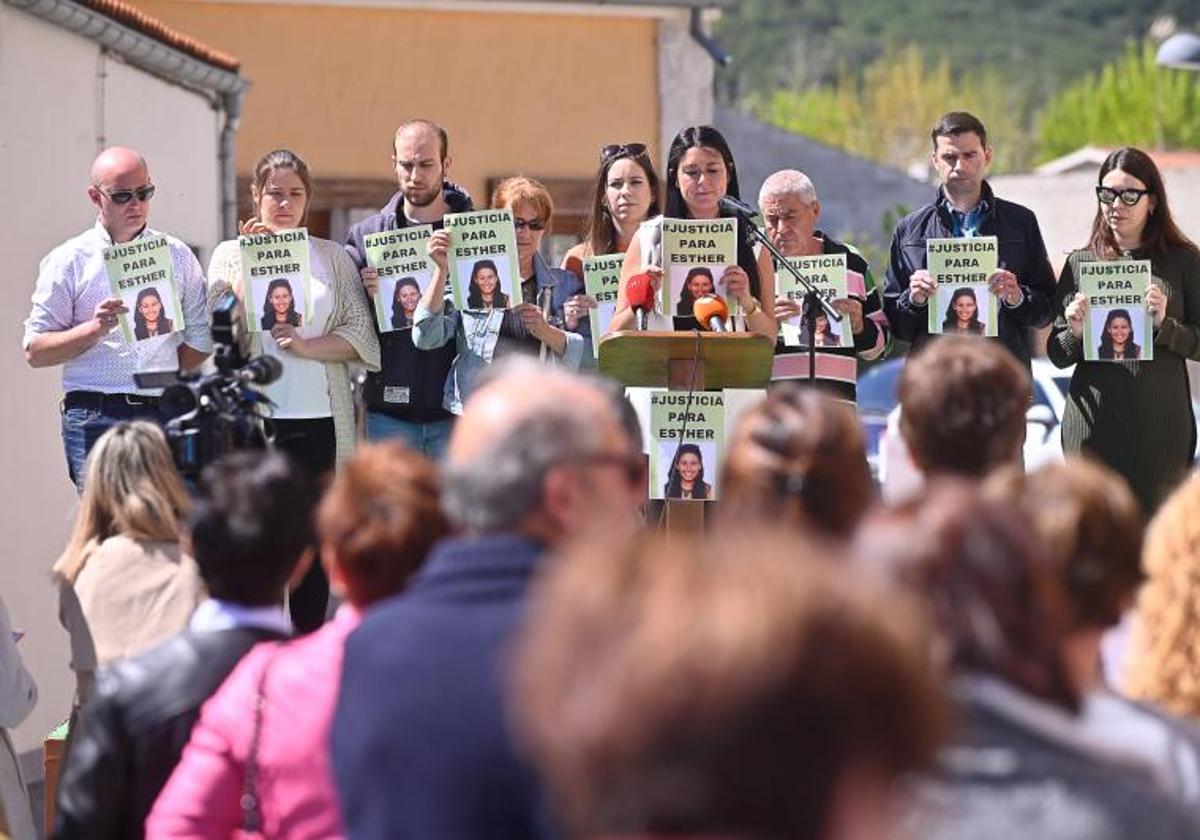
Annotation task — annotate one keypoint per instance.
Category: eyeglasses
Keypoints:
(615, 150)
(632, 464)
(533, 224)
(1129, 197)
(125, 196)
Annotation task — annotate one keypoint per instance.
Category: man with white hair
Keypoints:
(75, 313)
(790, 208)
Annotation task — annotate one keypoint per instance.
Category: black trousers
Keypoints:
(313, 445)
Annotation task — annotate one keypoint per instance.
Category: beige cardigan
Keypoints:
(349, 318)
(129, 596)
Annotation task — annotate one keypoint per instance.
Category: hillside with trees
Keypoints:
(1046, 75)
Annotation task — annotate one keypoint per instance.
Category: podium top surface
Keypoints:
(730, 360)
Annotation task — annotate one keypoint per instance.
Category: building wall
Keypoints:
(536, 93)
(59, 102)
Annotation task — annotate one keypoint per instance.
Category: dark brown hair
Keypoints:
(1090, 525)
(709, 685)
(797, 458)
(381, 517)
(1161, 233)
(991, 591)
(600, 233)
(963, 404)
(956, 123)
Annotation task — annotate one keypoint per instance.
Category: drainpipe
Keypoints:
(706, 41)
(231, 103)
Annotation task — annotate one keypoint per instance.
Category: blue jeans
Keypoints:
(429, 439)
(82, 427)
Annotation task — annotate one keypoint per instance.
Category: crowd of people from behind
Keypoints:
(513, 652)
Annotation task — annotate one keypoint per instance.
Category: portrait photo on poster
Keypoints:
(280, 300)
(401, 295)
(489, 282)
(153, 310)
(828, 332)
(963, 310)
(695, 476)
(688, 283)
(1117, 333)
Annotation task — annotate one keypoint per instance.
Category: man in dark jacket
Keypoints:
(251, 531)
(421, 741)
(404, 399)
(965, 206)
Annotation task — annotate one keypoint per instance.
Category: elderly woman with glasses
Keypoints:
(547, 316)
(1134, 416)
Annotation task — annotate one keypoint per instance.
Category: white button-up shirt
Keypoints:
(72, 281)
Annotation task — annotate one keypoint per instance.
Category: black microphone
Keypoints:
(736, 207)
(261, 370)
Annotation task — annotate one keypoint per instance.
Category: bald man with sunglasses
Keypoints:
(74, 314)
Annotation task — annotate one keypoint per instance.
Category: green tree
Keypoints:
(1129, 102)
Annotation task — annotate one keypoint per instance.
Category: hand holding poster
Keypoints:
(140, 274)
(696, 253)
(964, 304)
(601, 280)
(277, 282)
(483, 259)
(827, 274)
(405, 271)
(1117, 327)
(687, 436)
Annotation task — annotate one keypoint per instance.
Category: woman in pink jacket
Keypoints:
(268, 771)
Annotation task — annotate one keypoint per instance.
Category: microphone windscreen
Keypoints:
(708, 306)
(639, 291)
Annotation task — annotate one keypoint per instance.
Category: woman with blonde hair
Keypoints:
(1163, 664)
(124, 582)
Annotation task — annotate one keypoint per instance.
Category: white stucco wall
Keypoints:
(54, 117)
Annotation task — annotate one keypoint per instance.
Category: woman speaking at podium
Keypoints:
(700, 172)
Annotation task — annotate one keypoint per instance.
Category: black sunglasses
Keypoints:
(616, 150)
(1129, 197)
(125, 196)
(533, 224)
(632, 465)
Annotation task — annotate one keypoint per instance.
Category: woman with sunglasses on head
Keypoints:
(700, 172)
(1135, 416)
(546, 317)
(314, 410)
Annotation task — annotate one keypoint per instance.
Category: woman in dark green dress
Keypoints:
(1135, 416)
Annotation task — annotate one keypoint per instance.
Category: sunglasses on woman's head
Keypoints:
(125, 196)
(615, 150)
(1128, 197)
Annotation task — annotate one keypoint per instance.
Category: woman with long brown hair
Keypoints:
(625, 195)
(314, 411)
(1133, 415)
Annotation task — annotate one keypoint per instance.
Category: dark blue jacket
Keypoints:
(421, 740)
(410, 382)
(1022, 252)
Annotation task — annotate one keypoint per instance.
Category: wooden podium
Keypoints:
(682, 361)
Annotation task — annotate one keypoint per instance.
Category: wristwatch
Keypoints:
(748, 312)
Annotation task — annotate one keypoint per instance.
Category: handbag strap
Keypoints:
(249, 801)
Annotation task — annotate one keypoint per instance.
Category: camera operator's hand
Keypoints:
(288, 338)
(105, 315)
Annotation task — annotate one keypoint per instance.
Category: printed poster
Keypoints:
(964, 304)
(687, 442)
(601, 279)
(696, 253)
(483, 260)
(827, 274)
(140, 274)
(405, 271)
(1117, 327)
(277, 279)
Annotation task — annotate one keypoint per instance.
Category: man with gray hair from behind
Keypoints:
(421, 742)
(790, 210)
